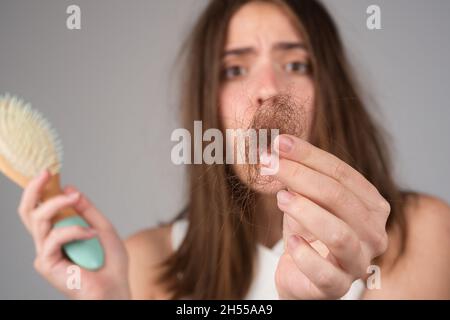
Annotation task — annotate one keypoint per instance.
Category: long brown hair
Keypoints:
(216, 258)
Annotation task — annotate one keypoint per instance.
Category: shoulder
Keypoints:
(428, 227)
(151, 241)
(427, 208)
(147, 249)
(421, 271)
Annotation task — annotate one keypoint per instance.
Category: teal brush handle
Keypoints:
(87, 253)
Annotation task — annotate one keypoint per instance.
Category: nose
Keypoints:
(267, 85)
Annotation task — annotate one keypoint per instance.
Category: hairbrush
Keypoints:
(29, 145)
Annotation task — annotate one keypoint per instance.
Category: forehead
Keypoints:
(257, 23)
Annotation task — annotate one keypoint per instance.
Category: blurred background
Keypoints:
(110, 91)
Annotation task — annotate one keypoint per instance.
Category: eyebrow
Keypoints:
(280, 46)
(290, 45)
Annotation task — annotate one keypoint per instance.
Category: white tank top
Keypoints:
(263, 285)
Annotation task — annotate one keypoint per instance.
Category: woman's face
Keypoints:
(264, 55)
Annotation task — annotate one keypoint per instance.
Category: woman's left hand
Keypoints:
(331, 202)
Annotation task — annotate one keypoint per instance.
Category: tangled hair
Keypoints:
(281, 112)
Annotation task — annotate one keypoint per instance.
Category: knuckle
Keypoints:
(385, 206)
(299, 204)
(37, 217)
(340, 171)
(354, 246)
(380, 242)
(341, 238)
(333, 192)
(307, 150)
(297, 171)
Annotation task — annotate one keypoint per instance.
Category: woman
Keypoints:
(332, 205)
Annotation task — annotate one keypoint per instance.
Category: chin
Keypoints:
(255, 181)
(267, 187)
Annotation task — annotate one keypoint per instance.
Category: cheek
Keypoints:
(236, 110)
(303, 91)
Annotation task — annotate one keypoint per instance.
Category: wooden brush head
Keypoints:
(29, 145)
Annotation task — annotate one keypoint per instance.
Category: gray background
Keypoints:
(110, 91)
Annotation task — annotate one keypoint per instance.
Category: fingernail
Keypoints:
(285, 143)
(265, 171)
(284, 197)
(43, 173)
(265, 159)
(293, 242)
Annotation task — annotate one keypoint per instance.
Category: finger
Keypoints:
(59, 236)
(31, 195)
(330, 281)
(328, 193)
(41, 218)
(292, 226)
(88, 211)
(303, 152)
(340, 239)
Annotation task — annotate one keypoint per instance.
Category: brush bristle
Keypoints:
(27, 140)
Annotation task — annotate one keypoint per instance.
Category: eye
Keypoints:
(298, 67)
(233, 72)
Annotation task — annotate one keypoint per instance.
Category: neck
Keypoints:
(269, 225)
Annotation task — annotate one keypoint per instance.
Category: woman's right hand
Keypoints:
(109, 282)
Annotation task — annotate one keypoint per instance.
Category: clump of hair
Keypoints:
(282, 112)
